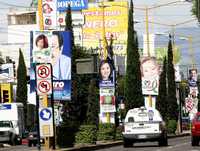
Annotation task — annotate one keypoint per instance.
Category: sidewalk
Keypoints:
(101, 145)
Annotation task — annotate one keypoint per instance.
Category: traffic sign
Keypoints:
(44, 79)
(46, 122)
(44, 87)
(43, 71)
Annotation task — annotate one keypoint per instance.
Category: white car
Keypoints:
(144, 124)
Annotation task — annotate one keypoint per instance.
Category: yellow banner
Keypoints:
(6, 93)
(115, 21)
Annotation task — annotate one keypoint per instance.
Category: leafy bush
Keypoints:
(118, 135)
(171, 126)
(106, 132)
(86, 134)
(66, 136)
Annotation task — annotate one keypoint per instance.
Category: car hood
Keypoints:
(2, 129)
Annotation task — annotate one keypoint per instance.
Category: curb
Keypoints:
(110, 144)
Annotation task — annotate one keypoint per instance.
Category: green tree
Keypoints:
(22, 84)
(161, 103)
(196, 9)
(171, 85)
(133, 84)
(93, 104)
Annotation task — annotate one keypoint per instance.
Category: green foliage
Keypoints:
(66, 135)
(21, 94)
(133, 83)
(93, 104)
(161, 102)
(171, 95)
(118, 135)
(161, 53)
(171, 126)
(106, 132)
(86, 134)
(196, 9)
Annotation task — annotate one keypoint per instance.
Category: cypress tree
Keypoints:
(161, 102)
(171, 85)
(93, 104)
(21, 94)
(196, 9)
(133, 84)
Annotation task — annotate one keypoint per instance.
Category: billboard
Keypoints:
(116, 24)
(62, 5)
(150, 71)
(49, 11)
(53, 47)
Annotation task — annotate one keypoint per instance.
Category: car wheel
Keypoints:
(12, 140)
(163, 140)
(127, 143)
(195, 141)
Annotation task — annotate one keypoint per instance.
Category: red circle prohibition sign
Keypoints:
(43, 71)
(44, 86)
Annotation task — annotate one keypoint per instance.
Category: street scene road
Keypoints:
(175, 144)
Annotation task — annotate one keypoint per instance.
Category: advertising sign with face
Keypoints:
(53, 47)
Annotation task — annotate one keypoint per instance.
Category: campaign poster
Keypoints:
(49, 11)
(192, 80)
(107, 100)
(53, 47)
(150, 71)
(107, 74)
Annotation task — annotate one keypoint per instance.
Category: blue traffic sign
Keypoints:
(45, 114)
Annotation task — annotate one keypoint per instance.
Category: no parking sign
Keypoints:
(43, 76)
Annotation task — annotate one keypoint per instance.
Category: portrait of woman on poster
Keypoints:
(41, 53)
(61, 63)
(46, 8)
(106, 71)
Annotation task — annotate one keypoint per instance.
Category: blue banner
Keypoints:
(62, 5)
(57, 51)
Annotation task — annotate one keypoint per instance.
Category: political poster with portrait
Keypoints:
(49, 11)
(150, 71)
(192, 80)
(107, 74)
(55, 48)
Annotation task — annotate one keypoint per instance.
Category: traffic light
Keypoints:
(5, 97)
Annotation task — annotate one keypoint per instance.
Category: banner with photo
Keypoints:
(53, 47)
(192, 80)
(150, 71)
(107, 74)
(49, 11)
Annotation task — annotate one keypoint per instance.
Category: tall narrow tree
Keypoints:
(196, 9)
(133, 84)
(21, 94)
(171, 84)
(161, 102)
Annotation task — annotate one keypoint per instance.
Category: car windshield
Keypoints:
(5, 124)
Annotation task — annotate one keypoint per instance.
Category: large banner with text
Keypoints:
(52, 47)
